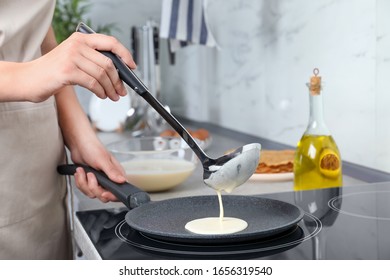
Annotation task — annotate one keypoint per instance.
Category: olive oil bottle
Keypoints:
(317, 162)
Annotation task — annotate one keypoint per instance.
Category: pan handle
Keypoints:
(130, 195)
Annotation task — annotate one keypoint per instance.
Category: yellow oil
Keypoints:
(317, 163)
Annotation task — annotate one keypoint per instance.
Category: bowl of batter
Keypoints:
(155, 164)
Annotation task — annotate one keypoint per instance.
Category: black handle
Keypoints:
(125, 73)
(134, 43)
(130, 195)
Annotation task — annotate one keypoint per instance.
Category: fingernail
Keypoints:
(121, 178)
(123, 92)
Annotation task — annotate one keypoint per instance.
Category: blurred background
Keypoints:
(254, 81)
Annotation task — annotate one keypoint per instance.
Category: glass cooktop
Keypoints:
(339, 223)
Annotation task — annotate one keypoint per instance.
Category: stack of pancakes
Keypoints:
(276, 161)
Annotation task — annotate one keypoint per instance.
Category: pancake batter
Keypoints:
(217, 225)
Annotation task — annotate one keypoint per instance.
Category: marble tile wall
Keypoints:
(382, 113)
(255, 83)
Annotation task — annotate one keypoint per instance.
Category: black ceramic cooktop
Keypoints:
(339, 223)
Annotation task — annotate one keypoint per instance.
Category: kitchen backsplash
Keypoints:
(256, 82)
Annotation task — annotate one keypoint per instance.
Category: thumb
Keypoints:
(113, 170)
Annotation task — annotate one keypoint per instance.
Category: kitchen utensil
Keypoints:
(165, 220)
(146, 56)
(110, 234)
(145, 46)
(247, 249)
(223, 173)
(154, 163)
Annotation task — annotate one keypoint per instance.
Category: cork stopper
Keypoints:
(315, 83)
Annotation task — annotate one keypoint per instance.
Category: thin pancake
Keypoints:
(276, 161)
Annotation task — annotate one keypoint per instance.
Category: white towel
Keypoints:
(184, 22)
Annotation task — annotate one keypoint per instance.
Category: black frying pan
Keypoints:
(165, 220)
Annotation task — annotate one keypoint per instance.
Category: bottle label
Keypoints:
(329, 163)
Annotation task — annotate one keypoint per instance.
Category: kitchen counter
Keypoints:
(222, 140)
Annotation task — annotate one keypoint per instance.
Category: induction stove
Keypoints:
(338, 223)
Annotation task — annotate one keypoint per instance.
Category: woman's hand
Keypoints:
(76, 61)
(85, 147)
(95, 155)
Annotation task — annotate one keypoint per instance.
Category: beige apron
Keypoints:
(33, 212)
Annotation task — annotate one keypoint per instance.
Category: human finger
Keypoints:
(109, 196)
(101, 75)
(82, 183)
(113, 170)
(112, 82)
(103, 42)
(95, 188)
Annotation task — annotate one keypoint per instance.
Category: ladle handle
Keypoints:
(130, 195)
(129, 77)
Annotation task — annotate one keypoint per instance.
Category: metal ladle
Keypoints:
(224, 173)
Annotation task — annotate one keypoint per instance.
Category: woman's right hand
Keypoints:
(76, 61)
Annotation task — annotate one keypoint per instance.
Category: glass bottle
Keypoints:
(317, 162)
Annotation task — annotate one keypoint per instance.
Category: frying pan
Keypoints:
(165, 220)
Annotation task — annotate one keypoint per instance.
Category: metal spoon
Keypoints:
(224, 173)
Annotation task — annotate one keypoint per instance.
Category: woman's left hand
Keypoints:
(95, 155)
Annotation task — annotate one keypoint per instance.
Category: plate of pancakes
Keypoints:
(275, 165)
